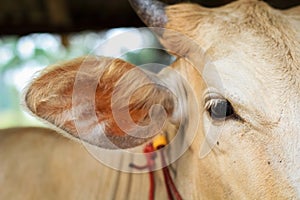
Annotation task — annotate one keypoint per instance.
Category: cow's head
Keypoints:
(241, 63)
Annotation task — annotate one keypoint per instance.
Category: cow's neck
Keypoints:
(182, 72)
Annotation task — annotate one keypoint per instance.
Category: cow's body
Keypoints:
(235, 85)
(45, 165)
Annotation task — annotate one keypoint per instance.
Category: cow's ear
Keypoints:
(295, 11)
(104, 101)
(182, 28)
(293, 15)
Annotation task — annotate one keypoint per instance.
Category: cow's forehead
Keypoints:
(256, 26)
(253, 45)
(253, 85)
(262, 33)
(265, 63)
(261, 46)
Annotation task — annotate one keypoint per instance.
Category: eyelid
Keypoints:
(212, 93)
(210, 96)
(210, 102)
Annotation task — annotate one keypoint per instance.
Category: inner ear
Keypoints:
(104, 101)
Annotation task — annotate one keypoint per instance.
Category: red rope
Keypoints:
(151, 178)
(152, 186)
(168, 179)
(170, 186)
(138, 167)
(150, 156)
(169, 192)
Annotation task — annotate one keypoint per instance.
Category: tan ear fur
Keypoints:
(295, 11)
(52, 97)
(294, 18)
(178, 35)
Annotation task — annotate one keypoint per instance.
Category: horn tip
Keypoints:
(151, 12)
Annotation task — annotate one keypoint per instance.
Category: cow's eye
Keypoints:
(219, 109)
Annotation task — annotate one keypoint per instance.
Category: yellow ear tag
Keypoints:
(159, 141)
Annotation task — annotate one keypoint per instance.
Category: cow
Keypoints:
(232, 96)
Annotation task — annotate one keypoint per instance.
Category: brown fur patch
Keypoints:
(50, 95)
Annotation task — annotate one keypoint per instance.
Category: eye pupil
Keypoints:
(221, 109)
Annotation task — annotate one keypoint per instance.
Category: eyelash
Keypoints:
(219, 109)
(210, 103)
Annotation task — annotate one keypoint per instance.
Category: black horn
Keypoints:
(151, 12)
